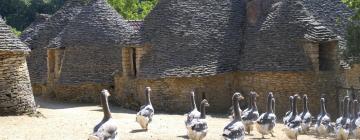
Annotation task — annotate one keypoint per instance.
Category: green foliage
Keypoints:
(353, 41)
(354, 4)
(16, 32)
(20, 13)
(133, 9)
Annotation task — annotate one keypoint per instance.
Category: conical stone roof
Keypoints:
(41, 35)
(192, 38)
(9, 41)
(93, 41)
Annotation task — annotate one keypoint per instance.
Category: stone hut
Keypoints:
(84, 56)
(16, 95)
(219, 47)
(38, 36)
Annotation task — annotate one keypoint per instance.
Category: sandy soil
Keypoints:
(75, 122)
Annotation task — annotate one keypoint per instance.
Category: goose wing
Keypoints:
(234, 129)
(107, 131)
(198, 125)
(306, 117)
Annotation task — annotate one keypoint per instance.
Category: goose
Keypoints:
(194, 113)
(305, 116)
(323, 120)
(252, 115)
(356, 121)
(266, 122)
(144, 116)
(199, 126)
(235, 130)
(288, 113)
(293, 126)
(107, 128)
(342, 128)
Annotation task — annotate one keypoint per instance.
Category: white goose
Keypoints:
(356, 121)
(144, 116)
(305, 116)
(199, 126)
(288, 113)
(251, 116)
(267, 120)
(343, 123)
(293, 126)
(323, 122)
(107, 128)
(235, 130)
(193, 114)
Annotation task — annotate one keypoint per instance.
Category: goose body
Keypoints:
(288, 113)
(293, 126)
(305, 116)
(235, 130)
(266, 122)
(252, 115)
(355, 123)
(107, 128)
(146, 113)
(343, 123)
(323, 122)
(198, 126)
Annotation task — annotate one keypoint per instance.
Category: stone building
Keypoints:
(82, 53)
(219, 47)
(16, 95)
(213, 47)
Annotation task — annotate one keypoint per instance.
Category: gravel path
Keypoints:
(75, 122)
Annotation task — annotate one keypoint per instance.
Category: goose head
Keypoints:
(105, 93)
(205, 103)
(237, 96)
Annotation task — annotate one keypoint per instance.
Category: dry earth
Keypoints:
(75, 121)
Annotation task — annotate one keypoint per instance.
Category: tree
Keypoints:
(354, 4)
(133, 9)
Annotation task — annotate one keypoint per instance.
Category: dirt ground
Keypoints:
(75, 122)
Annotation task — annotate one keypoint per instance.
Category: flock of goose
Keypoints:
(242, 122)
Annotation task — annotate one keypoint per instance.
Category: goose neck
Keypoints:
(294, 107)
(203, 113)
(193, 104)
(269, 105)
(105, 106)
(236, 109)
(147, 100)
(253, 105)
(305, 107)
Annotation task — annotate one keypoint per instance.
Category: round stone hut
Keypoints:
(16, 95)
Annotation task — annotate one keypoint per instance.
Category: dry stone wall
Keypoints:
(15, 88)
(172, 94)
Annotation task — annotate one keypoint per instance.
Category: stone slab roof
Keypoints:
(34, 28)
(202, 38)
(192, 38)
(93, 42)
(9, 41)
(273, 37)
